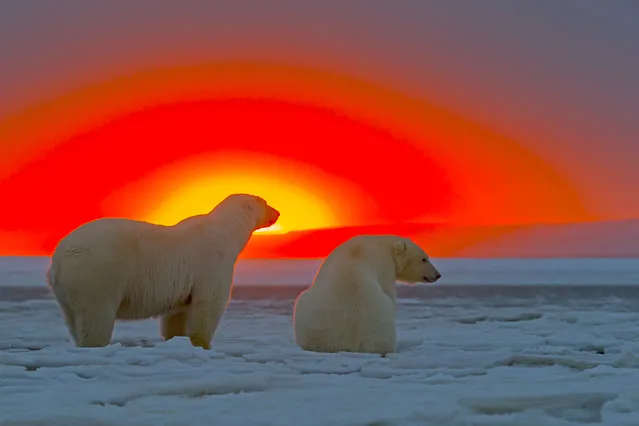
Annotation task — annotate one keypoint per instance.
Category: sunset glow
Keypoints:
(328, 151)
(300, 209)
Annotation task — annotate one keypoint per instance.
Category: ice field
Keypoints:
(498, 342)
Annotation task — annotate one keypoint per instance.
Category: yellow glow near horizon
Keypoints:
(273, 229)
(299, 208)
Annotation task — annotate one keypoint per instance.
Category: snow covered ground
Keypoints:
(535, 359)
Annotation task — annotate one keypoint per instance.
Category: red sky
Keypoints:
(389, 119)
(450, 122)
(327, 150)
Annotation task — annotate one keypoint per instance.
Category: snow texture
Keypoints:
(536, 360)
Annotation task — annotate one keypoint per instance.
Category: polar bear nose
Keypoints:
(275, 216)
(432, 280)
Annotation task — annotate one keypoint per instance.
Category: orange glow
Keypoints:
(332, 151)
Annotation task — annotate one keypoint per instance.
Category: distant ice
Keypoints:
(30, 271)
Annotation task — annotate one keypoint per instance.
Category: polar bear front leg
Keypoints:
(202, 321)
(204, 314)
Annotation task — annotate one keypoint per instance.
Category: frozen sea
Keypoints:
(496, 342)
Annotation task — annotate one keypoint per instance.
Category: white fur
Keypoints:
(115, 268)
(350, 306)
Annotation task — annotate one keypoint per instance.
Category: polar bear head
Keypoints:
(412, 263)
(255, 209)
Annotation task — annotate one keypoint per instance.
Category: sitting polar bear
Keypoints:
(115, 268)
(350, 306)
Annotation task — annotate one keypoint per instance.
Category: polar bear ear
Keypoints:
(400, 247)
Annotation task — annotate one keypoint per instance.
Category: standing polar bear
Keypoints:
(115, 268)
(350, 306)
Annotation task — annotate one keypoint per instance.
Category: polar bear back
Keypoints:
(150, 268)
(351, 304)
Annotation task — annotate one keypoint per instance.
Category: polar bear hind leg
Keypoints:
(94, 330)
(69, 319)
(93, 326)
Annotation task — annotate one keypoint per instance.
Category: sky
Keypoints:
(528, 107)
